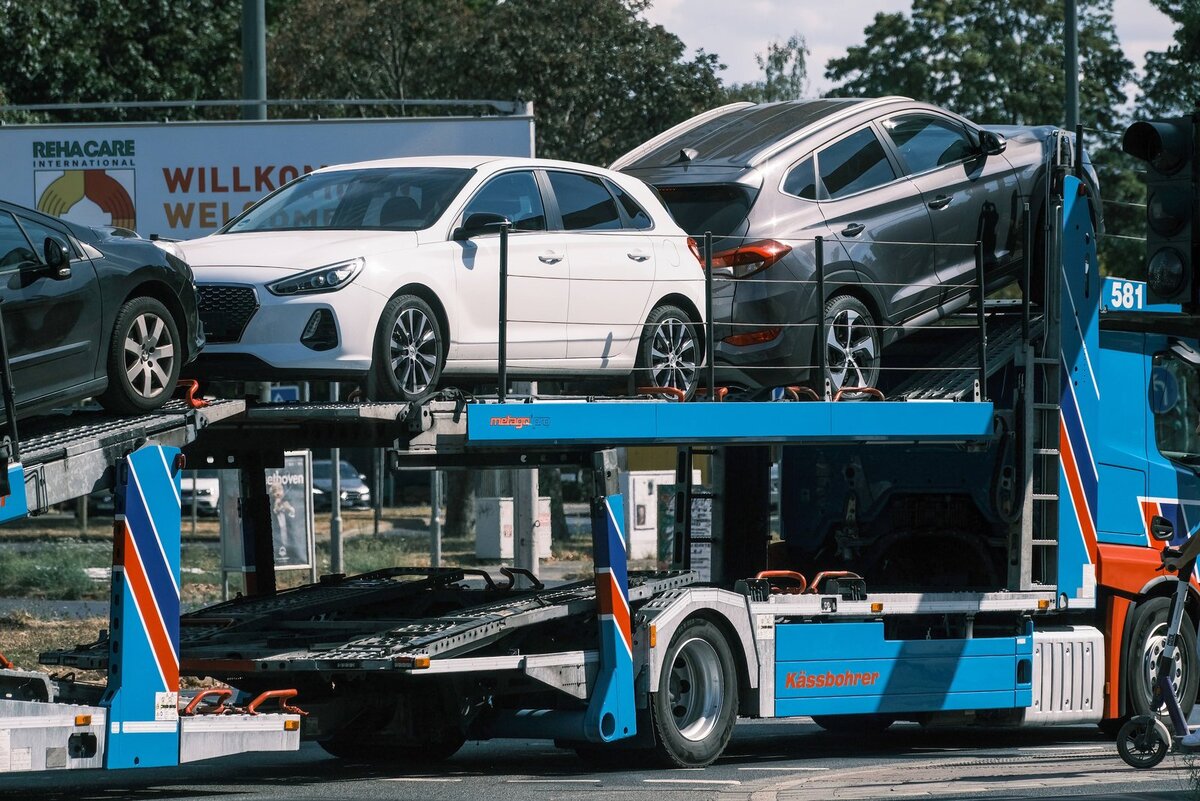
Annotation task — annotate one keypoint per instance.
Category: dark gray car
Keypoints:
(899, 190)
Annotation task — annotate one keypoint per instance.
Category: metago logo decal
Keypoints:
(513, 421)
(89, 197)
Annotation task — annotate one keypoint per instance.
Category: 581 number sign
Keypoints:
(1128, 295)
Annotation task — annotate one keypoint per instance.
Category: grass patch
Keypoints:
(54, 571)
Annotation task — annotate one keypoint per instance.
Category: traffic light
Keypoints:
(1172, 155)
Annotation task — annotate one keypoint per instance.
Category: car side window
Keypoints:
(584, 202)
(926, 143)
(639, 220)
(38, 233)
(514, 195)
(854, 164)
(15, 249)
(801, 181)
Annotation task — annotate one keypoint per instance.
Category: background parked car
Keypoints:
(202, 489)
(900, 190)
(388, 271)
(93, 312)
(355, 493)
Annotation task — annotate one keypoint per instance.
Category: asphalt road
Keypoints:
(767, 761)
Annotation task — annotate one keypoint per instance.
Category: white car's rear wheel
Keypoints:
(669, 353)
(409, 351)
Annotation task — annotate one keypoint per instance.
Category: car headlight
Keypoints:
(329, 278)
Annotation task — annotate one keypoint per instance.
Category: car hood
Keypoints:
(292, 251)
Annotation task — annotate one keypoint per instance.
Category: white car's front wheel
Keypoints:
(409, 351)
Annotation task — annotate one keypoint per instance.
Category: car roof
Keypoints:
(493, 163)
(742, 134)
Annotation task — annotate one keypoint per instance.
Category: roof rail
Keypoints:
(783, 144)
(691, 122)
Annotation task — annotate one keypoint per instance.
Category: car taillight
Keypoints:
(694, 246)
(751, 258)
(754, 337)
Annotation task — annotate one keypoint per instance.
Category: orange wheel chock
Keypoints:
(868, 391)
(191, 387)
(670, 392)
(802, 393)
(829, 574)
(222, 694)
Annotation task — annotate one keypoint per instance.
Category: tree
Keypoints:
(785, 73)
(1171, 84)
(993, 62)
(591, 102)
(117, 50)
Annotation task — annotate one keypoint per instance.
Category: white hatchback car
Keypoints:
(388, 271)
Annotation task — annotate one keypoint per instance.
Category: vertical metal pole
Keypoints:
(377, 489)
(1071, 64)
(502, 352)
(525, 520)
(710, 346)
(193, 509)
(982, 322)
(10, 395)
(254, 58)
(435, 518)
(1027, 266)
(822, 333)
(1079, 151)
(335, 519)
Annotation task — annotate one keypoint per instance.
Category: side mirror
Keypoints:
(481, 222)
(992, 143)
(58, 263)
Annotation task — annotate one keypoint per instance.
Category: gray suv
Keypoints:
(900, 190)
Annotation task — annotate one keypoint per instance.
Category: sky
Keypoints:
(738, 29)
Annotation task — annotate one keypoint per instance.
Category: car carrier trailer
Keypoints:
(1038, 604)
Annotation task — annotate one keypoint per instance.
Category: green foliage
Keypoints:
(1171, 84)
(601, 78)
(992, 62)
(785, 73)
(54, 571)
(118, 50)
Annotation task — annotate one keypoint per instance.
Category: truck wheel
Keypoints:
(696, 704)
(860, 725)
(1148, 640)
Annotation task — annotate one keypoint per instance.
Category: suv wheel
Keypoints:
(852, 348)
(143, 358)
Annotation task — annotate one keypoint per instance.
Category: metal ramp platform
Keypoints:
(366, 623)
(953, 375)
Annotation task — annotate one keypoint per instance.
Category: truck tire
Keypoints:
(695, 706)
(1147, 641)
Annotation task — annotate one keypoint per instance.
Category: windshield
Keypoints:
(380, 198)
(1175, 400)
(321, 469)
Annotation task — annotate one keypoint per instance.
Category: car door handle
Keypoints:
(550, 257)
(638, 255)
(940, 202)
(853, 229)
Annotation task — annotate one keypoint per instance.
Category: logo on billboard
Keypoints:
(88, 197)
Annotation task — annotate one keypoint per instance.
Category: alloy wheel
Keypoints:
(149, 355)
(414, 351)
(673, 355)
(696, 690)
(852, 350)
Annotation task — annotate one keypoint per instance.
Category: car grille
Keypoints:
(225, 311)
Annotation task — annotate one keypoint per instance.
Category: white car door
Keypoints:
(538, 278)
(612, 271)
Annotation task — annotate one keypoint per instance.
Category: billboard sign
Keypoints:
(186, 179)
(289, 491)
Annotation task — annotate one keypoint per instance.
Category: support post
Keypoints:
(710, 345)
(982, 321)
(822, 333)
(258, 546)
(502, 344)
(1071, 64)
(254, 58)
(142, 694)
(335, 515)
(525, 504)
(435, 518)
(611, 713)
